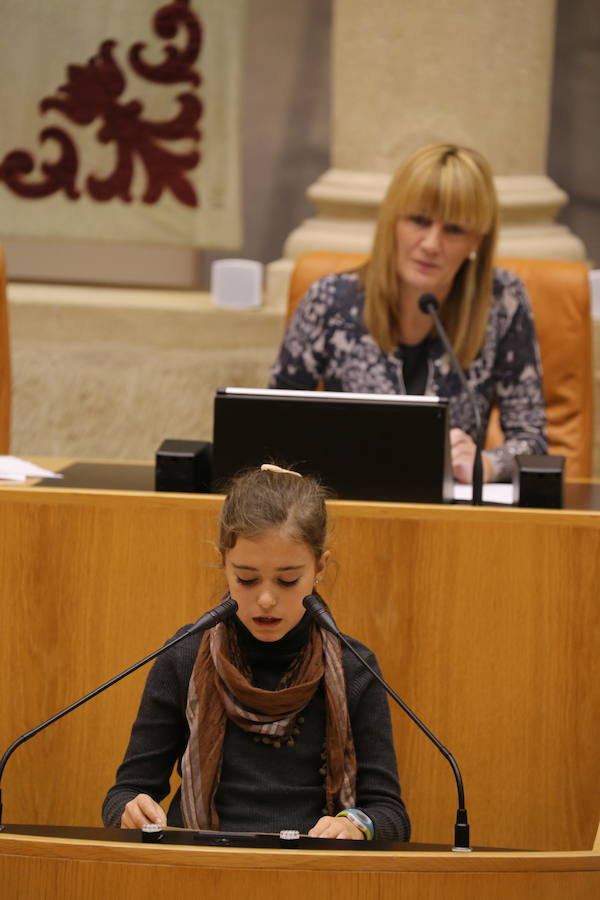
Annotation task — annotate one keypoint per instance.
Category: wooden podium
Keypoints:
(486, 621)
(34, 867)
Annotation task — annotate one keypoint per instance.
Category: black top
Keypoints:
(415, 365)
(269, 660)
(263, 788)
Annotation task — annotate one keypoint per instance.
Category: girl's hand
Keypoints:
(334, 827)
(143, 810)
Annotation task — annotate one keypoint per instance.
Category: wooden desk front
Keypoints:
(45, 869)
(484, 620)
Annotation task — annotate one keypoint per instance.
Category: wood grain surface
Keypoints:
(87, 870)
(486, 622)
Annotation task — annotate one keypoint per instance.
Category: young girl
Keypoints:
(272, 724)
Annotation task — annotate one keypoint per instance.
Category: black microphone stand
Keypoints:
(316, 607)
(429, 304)
(223, 611)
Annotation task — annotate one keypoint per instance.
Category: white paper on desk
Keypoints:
(14, 469)
(12, 479)
(492, 493)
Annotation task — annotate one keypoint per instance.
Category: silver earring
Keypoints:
(473, 255)
(317, 580)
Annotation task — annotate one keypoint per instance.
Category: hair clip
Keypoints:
(269, 467)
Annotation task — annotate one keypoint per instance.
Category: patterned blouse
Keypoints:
(327, 341)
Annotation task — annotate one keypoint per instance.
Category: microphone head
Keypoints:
(317, 609)
(312, 604)
(224, 610)
(428, 303)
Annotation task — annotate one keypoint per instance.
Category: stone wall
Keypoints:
(112, 374)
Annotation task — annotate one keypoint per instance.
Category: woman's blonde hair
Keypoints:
(455, 184)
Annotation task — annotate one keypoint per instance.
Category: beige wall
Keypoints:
(596, 339)
(112, 374)
(574, 142)
(131, 376)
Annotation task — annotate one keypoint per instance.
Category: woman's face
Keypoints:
(268, 576)
(429, 253)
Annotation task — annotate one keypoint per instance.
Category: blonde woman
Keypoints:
(363, 330)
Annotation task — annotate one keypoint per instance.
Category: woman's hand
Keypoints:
(143, 810)
(334, 827)
(462, 451)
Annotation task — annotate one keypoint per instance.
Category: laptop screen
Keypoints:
(362, 446)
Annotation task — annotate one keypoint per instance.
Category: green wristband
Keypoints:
(361, 820)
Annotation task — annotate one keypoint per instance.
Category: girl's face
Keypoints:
(268, 576)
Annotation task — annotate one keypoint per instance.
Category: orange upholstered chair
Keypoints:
(560, 297)
(4, 363)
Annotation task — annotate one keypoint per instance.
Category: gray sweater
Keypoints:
(262, 788)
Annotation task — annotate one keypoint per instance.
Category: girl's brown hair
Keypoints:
(259, 501)
(455, 184)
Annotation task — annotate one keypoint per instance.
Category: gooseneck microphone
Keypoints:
(318, 610)
(429, 305)
(211, 618)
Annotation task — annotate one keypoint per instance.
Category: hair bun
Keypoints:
(269, 467)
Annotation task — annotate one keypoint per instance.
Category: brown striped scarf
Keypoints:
(220, 688)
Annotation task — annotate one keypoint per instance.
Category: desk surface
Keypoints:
(133, 475)
(184, 837)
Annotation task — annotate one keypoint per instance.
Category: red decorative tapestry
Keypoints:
(91, 94)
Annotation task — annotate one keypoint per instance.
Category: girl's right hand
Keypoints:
(143, 810)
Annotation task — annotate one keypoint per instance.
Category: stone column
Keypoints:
(407, 73)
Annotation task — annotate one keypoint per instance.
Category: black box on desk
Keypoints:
(184, 466)
(538, 481)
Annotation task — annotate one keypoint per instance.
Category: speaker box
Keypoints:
(538, 481)
(184, 466)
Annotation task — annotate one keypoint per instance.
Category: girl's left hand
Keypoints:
(462, 451)
(333, 827)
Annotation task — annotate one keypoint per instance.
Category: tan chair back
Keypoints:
(5, 384)
(560, 298)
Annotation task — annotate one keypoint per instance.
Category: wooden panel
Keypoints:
(90, 583)
(93, 871)
(485, 621)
